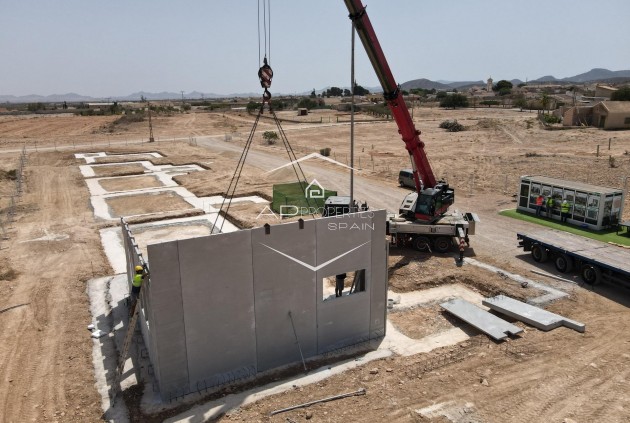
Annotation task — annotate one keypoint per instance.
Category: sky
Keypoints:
(115, 47)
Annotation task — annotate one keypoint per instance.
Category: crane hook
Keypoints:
(265, 74)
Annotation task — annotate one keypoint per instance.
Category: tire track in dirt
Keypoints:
(46, 352)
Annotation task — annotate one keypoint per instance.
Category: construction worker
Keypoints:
(540, 200)
(136, 284)
(339, 282)
(549, 205)
(565, 207)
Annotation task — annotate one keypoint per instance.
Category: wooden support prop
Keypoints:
(361, 391)
(549, 275)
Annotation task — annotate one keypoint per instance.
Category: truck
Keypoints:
(423, 220)
(595, 261)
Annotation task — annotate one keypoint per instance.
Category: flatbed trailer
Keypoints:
(595, 261)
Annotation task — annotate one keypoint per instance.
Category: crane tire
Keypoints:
(442, 244)
(422, 243)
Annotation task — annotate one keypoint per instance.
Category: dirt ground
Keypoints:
(118, 170)
(46, 369)
(126, 184)
(129, 205)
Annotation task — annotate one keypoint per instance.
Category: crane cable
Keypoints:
(266, 19)
(265, 74)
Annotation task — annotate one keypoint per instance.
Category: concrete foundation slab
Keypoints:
(537, 317)
(94, 157)
(491, 325)
(551, 293)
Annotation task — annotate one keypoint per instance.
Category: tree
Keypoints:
(520, 101)
(252, 106)
(270, 136)
(359, 90)
(33, 107)
(503, 87)
(545, 100)
(307, 103)
(454, 101)
(277, 104)
(622, 94)
(334, 92)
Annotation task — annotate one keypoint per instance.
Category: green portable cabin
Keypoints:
(594, 207)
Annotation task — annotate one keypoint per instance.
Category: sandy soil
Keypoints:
(118, 170)
(126, 184)
(128, 205)
(45, 350)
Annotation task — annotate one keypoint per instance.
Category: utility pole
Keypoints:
(151, 139)
(352, 210)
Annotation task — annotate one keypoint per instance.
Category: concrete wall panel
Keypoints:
(219, 305)
(281, 284)
(345, 244)
(378, 289)
(217, 278)
(167, 314)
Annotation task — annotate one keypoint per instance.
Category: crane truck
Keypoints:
(423, 221)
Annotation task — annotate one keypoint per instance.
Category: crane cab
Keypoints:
(429, 205)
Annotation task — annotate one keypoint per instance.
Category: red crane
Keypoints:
(432, 198)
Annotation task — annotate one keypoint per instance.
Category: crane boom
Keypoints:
(392, 94)
(432, 198)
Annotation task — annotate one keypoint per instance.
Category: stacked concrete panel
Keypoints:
(489, 324)
(218, 306)
(532, 315)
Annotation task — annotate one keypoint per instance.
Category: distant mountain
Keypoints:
(425, 84)
(461, 84)
(598, 74)
(594, 75)
(546, 78)
(53, 98)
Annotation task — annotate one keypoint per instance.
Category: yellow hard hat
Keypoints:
(138, 268)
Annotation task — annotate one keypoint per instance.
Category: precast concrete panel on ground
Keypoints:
(217, 277)
(532, 315)
(283, 283)
(167, 314)
(489, 324)
(344, 245)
